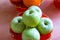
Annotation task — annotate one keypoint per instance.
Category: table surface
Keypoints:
(7, 12)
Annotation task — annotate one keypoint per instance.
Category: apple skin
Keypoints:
(31, 17)
(45, 26)
(37, 9)
(17, 25)
(30, 34)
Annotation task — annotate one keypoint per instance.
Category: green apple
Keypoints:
(45, 26)
(37, 9)
(17, 25)
(30, 34)
(31, 17)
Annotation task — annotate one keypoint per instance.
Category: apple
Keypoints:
(30, 34)
(31, 17)
(45, 26)
(17, 25)
(37, 9)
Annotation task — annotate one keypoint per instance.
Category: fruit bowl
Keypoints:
(16, 36)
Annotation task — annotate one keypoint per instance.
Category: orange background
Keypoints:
(7, 12)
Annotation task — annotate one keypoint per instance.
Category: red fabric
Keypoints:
(15, 35)
(20, 9)
(44, 37)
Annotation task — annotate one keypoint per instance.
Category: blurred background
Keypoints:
(8, 11)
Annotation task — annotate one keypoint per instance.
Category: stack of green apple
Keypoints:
(31, 24)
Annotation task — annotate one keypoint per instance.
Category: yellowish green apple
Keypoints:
(31, 17)
(17, 25)
(30, 34)
(45, 26)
